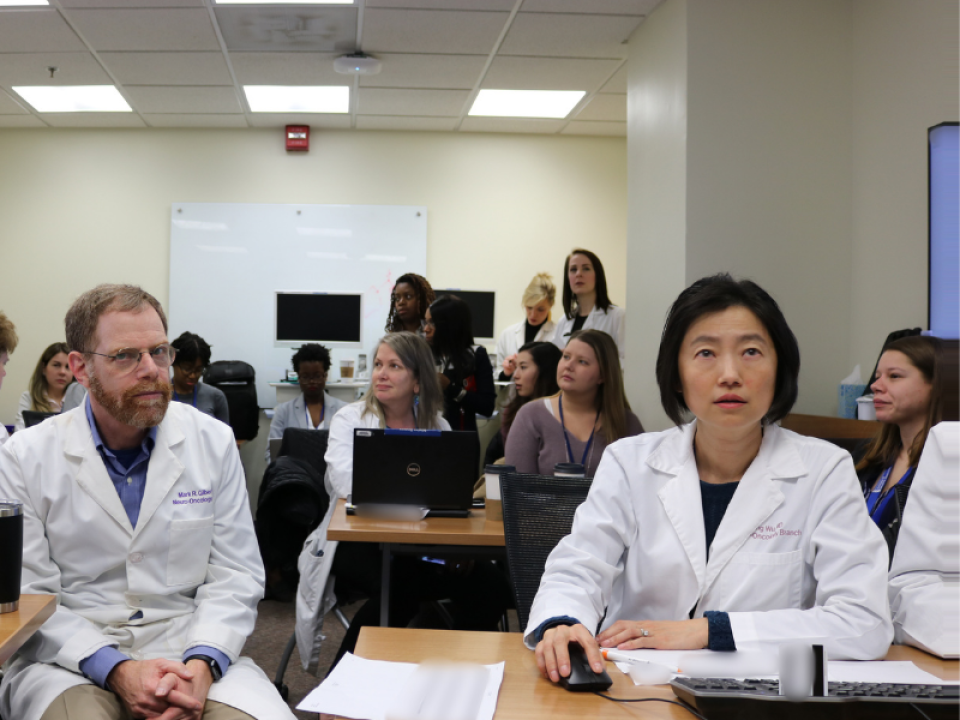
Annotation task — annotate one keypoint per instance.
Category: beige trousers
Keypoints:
(88, 702)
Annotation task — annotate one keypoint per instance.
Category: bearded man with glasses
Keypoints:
(136, 516)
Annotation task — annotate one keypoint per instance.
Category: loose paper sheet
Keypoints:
(378, 690)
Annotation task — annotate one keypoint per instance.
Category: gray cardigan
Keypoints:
(294, 414)
(210, 401)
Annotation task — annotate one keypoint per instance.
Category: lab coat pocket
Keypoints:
(189, 550)
(757, 581)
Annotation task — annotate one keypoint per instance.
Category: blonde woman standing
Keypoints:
(49, 383)
(538, 301)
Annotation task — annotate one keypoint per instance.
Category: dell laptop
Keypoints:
(425, 468)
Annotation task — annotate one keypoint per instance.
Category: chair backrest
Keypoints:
(308, 445)
(537, 514)
(32, 417)
(236, 379)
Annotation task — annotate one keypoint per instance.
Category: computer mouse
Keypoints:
(582, 677)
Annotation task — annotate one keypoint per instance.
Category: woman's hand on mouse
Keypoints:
(553, 658)
(656, 635)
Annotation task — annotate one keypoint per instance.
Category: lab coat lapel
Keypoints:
(680, 496)
(757, 496)
(92, 474)
(163, 471)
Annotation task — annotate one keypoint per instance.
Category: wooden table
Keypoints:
(527, 696)
(472, 537)
(17, 627)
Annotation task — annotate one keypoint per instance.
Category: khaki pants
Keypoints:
(88, 702)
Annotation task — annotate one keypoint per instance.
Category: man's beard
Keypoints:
(126, 408)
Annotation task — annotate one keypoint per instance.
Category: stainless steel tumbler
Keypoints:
(11, 553)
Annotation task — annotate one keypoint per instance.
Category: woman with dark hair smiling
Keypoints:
(908, 397)
(586, 304)
(724, 530)
(463, 369)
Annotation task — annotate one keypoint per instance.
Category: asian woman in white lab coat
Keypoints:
(726, 530)
(586, 304)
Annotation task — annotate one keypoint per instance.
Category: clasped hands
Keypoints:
(162, 689)
(553, 658)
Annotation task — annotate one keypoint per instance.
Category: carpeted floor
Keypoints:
(274, 627)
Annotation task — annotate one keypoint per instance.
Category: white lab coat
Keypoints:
(925, 574)
(191, 566)
(612, 322)
(796, 556)
(315, 597)
(512, 339)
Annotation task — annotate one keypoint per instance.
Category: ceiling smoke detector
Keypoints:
(357, 63)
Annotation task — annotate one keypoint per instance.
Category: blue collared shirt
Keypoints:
(128, 473)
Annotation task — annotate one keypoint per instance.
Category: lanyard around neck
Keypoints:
(177, 397)
(566, 437)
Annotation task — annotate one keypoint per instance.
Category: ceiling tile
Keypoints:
(168, 68)
(130, 3)
(79, 68)
(595, 7)
(578, 127)
(431, 31)
(294, 28)
(16, 121)
(618, 83)
(605, 107)
(179, 120)
(390, 101)
(426, 71)
(314, 120)
(11, 106)
(506, 5)
(387, 122)
(36, 31)
(510, 125)
(555, 35)
(94, 120)
(269, 68)
(526, 73)
(146, 29)
(161, 99)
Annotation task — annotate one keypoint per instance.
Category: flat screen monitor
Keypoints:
(945, 231)
(482, 304)
(334, 319)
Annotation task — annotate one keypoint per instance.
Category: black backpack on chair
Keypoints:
(236, 379)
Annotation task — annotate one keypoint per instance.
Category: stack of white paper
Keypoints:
(379, 690)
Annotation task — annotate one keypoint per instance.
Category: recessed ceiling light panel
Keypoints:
(298, 98)
(526, 103)
(74, 98)
(21, 3)
(284, 2)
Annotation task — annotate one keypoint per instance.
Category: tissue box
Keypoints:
(847, 400)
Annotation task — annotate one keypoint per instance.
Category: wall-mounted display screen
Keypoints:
(482, 305)
(945, 231)
(330, 318)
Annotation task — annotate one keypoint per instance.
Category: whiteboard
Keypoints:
(227, 260)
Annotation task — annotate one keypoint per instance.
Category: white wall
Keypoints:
(905, 80)
(768, 167)
(804, 142)
(657, 179)
(81, 207)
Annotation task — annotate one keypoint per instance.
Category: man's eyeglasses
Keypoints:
(127, 359)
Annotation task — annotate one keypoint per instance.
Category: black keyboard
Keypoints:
(725, 699)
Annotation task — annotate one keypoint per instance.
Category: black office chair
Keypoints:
(32, 417)
(537, 514)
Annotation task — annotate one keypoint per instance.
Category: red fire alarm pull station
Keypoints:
(298, 137)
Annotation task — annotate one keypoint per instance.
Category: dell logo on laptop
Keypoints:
(413, 469)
